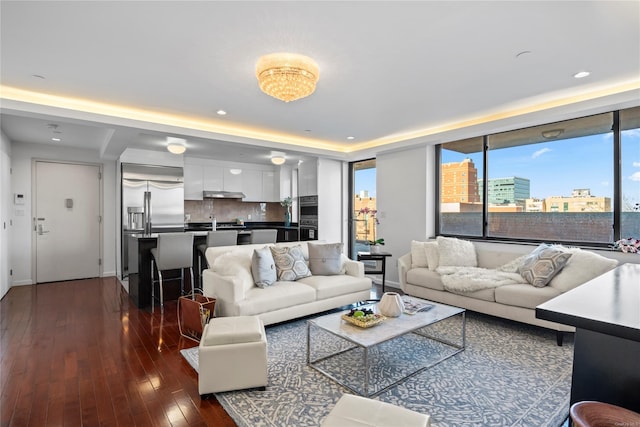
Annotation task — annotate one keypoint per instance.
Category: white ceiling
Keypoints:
(391, 73)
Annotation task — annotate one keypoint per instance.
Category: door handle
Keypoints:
(41, 231)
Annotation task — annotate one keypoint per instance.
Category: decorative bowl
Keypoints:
(378, 318)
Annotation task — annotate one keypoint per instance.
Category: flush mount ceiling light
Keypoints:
(176, 145)
(581, 74)
(278, 158)
(287, 76)
(235, 171)
(553, 133)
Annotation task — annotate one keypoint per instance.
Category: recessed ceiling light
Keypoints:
(351, 137)
(581, 74)
(56, 139)
(221, 113)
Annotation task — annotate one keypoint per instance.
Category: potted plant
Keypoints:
(374, 245)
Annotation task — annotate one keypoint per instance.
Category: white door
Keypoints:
(67, 221)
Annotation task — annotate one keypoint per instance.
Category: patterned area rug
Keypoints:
(509, 375)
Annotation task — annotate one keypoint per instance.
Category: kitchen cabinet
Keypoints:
(213, 178)
(252, 185)
(308, 178)
(269, 187)
(232, 182)
(193, 182)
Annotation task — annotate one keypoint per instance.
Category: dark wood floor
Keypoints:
(81, 354)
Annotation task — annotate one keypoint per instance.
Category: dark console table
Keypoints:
(380, 257)
(606, 314)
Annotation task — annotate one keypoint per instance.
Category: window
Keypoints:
(630, 173)
(460, 197)
(554, 182)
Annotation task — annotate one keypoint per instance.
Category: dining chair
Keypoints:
(173, 251)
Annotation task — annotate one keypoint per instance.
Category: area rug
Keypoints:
(510, 374)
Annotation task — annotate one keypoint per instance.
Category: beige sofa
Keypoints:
(230, 281)
(515, 301)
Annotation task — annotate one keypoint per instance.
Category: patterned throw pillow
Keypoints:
(290, 264)
(543, 264)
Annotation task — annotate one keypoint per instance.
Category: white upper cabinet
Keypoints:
(213, 178)
(269, 193)
(252, 185)
(232, 182)
(308, 178)
(193, 182)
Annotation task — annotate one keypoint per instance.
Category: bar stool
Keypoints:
(600, 414)
(215, 238)
(263, 236)
(174, 251)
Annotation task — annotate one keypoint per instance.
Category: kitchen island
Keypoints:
(606, 314)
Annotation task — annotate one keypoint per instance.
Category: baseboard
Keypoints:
(21, 283)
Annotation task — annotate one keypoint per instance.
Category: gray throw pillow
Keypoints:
(543, 264)
(263, 268)
(290, 264)
(325, 259)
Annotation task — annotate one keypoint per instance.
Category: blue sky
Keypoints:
(554, 168)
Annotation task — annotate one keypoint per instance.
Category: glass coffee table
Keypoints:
(369, 361)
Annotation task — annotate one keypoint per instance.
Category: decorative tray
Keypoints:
(378, 318)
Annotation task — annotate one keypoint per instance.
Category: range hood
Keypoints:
(223, 195)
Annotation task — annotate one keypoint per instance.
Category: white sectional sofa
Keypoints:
(229, 279)
(512, 297)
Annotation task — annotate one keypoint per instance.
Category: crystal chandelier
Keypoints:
(287, 76)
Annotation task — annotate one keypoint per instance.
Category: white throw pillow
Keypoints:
(581, 267)
(235, 264)
(263, 268)
(418, 255)
(431, 249)
(454, 252)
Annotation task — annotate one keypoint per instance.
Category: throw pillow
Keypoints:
(454, 252)
(418, 255)
(325, 259)
(543, 264)
(263, 268)
(290, 264)
(237, 265)
(431, 249)
(581, 267)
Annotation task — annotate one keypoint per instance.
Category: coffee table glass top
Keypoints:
(391, 328)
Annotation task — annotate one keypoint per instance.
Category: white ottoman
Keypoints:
(232, 355)
(356, 411)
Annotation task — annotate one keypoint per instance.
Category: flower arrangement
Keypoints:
(287, 202)
(629, 245)
(376, 242)
(369, 213)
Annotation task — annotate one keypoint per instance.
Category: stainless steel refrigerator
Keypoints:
(152, 202)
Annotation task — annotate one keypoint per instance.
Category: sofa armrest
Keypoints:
(404, 265)
(227, 290)
(353, 268)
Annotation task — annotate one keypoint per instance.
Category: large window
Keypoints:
(555, 182)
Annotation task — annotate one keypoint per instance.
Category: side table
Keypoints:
(380, 257)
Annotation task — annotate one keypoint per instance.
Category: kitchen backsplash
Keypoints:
(228, 210)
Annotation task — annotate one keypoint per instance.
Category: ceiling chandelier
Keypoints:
(287, 76)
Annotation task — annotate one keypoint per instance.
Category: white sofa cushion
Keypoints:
(418, 255)
(484, 294)
(581, 267)
(456, 252)
(332, 286)
(426, 278)
(433, 258)
(525, 295)
(281, 295)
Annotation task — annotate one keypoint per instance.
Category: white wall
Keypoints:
(331, 219)
(6, 203)
(405, 194)
(21, 161)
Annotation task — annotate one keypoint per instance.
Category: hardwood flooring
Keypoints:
(80, 353)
